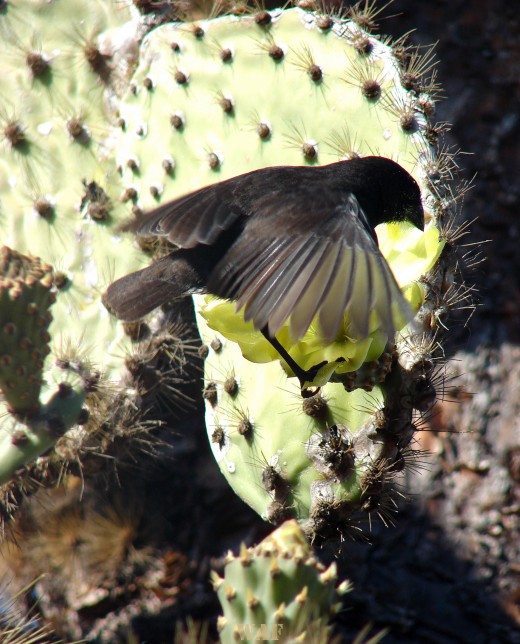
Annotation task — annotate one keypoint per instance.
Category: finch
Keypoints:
(286, 244)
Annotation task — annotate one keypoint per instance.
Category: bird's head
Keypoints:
(391, 194)
(401, 196)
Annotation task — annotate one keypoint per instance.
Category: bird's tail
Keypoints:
(133, 296)
(129, 298)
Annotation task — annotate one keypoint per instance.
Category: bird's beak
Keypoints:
(419, 220)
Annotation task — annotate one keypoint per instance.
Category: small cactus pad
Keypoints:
(276, 588)
(62, 397)
(26, 296)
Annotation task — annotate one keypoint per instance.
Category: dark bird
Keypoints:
(285, 243)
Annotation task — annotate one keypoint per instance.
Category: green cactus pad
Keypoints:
(59, 194)
(26, 296)
(277, 588)
(216, 116)
(222, 97)
(61, 401)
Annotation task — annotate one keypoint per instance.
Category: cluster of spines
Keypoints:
(164, 367)
(20, 626)
(367, 461)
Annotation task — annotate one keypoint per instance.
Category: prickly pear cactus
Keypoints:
(277, 591)
(217, 98)
(57, 199)
(47, 409)
(210, 100)
(63, 65)
(25, 301)
(86, 143)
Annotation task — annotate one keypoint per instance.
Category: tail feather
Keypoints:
(133, 296)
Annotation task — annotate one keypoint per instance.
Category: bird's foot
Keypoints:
(308, 376)
(303, 375)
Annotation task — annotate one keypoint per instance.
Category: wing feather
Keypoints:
(277, 276)
(196, 218)
(282, 301)
(324, 272)
(251, 279)
(310, 293)
(358, 306)
(334, 304)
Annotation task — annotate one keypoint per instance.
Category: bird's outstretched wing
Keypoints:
(333, 268)
(197, 218)
(291, 256)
